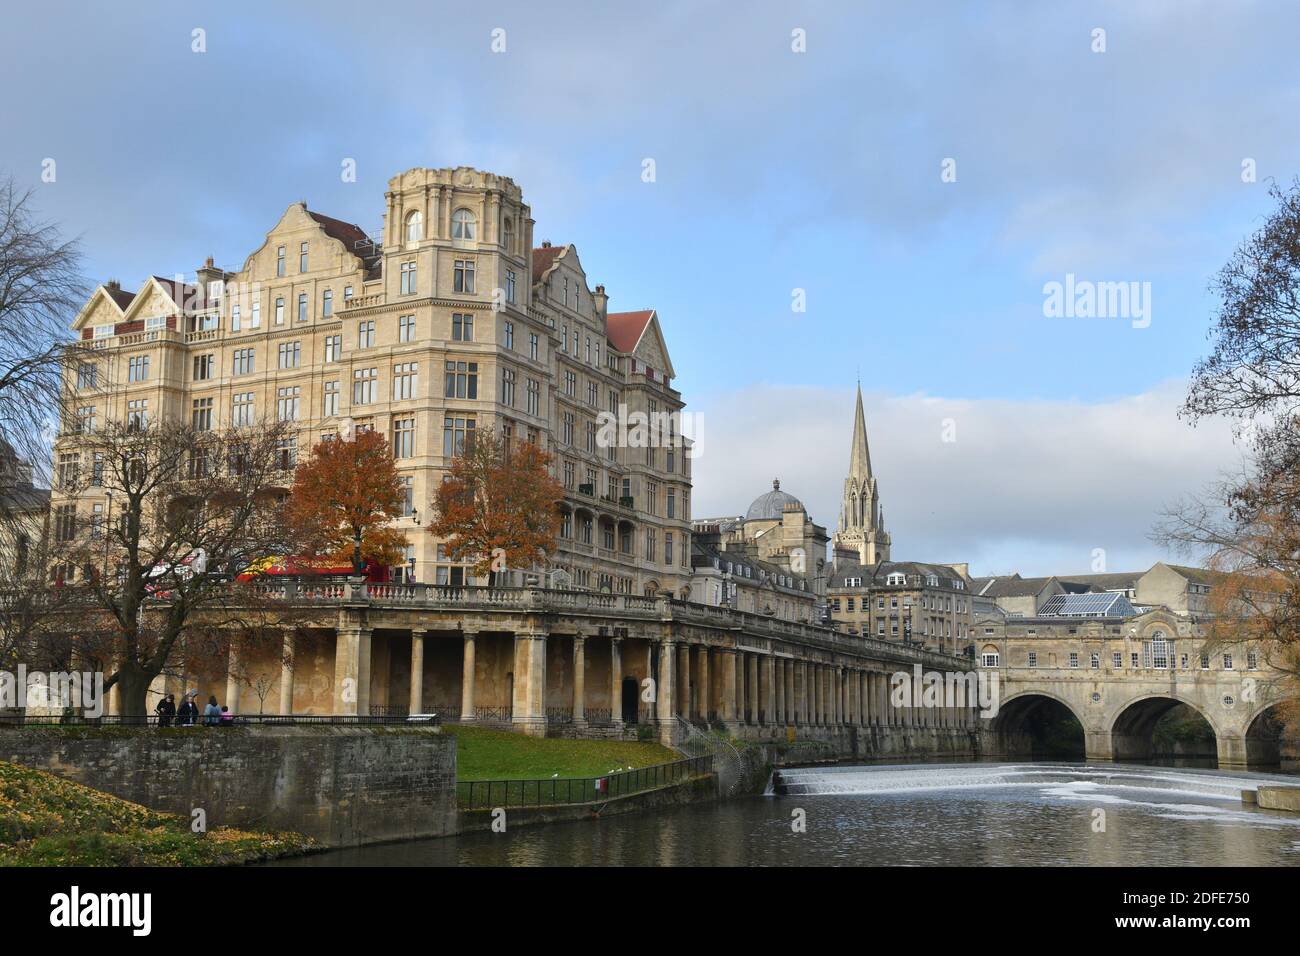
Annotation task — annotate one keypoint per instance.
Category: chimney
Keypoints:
(602, 302)
(112, 285)
(206, 277)
(546, 243)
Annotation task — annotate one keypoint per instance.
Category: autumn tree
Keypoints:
(1247, 527)
(344, 500)
(496, 508)
(151, 577)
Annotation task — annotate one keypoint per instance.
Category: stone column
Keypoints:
(664, 689)
(791, 699)
(579, 680)
(754, 697)
(416, 703)
(467, 677)
(800, 693)
(728, 703)
(286, 675)
(616, 681)
(703, 693)
(769, 690)
(742, 706)
(684, 681)
(232, 680)
(778, 665)
(528, 710)
(352, 671)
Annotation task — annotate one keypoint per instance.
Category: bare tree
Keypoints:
(156, 578)
(1247, 527)
(41, 290)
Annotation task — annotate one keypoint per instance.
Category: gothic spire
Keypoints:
(860, 455)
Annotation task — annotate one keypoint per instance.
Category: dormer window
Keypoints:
(896, 580)
(414, 226)
(463, 224)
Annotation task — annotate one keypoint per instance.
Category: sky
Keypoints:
(841, 191)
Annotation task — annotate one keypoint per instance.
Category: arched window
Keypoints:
(989, 656)
(414, 226)
(463, 224)
(508, 235)
(1159, 651)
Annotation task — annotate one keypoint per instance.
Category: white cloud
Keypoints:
(1031, 485)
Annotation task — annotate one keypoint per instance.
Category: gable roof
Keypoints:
(348, 233)
(544, 259)
(625, 329)
(121, 298)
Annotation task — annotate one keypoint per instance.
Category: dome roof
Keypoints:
(770, 505)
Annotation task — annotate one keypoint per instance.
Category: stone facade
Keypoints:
(449, 321)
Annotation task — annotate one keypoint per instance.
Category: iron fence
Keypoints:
(565, 791)
(240, 720)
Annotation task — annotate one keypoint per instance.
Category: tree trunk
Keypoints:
(133, 692)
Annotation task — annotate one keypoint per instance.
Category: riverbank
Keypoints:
(485, 753)
(48, 821)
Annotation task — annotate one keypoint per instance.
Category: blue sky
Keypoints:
(775, 171)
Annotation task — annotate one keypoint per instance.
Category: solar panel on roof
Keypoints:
(1091, 604)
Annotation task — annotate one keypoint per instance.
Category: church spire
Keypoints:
(860, 454)
(861, 536)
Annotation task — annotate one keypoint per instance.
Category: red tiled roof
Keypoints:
(120, 296)
(543, 258)
(626, 328)
(345, 232)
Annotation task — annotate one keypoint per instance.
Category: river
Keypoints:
(972, 814)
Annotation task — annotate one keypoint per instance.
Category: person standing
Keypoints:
(188, 712)
(166, 710)
(212, 713)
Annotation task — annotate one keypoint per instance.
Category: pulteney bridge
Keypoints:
(1119, 677)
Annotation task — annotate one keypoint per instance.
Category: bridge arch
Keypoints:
(1133, 723)
(1038, 724)
(1264, 736)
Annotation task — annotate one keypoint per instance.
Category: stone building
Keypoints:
(448, 323)
(926, 604)
(871, 596)
(1183, 590)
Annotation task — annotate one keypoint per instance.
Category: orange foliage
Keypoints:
(343, 500)
(497, 506)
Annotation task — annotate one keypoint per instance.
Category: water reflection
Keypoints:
(952, 814)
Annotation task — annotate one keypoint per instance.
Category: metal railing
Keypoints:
(567, 791)
(240, 720)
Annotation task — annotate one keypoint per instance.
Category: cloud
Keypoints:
(1031, 486)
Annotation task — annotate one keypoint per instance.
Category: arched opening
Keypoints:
(1268, 745)
(1037, 727)
(1183, 732)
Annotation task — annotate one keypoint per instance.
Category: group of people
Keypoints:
(187, 715)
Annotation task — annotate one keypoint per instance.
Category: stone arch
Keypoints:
(1024, 720)
(1131, 724)
(1264, 736)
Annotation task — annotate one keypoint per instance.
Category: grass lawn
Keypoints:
(48, 821)
(483, 753)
